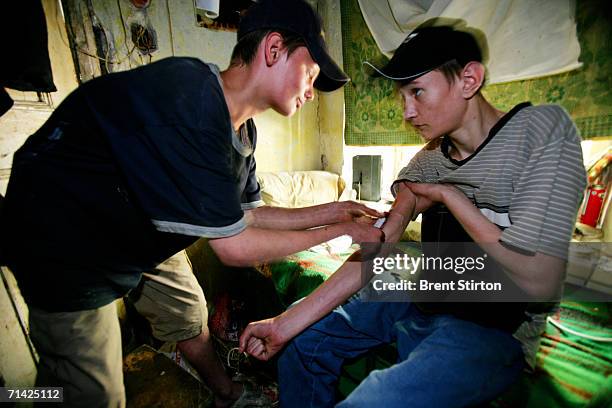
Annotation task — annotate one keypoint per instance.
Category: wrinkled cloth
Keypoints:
(526, 39)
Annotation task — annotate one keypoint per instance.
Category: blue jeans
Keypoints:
(443, 361)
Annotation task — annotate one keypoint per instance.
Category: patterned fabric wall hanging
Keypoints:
(373, 108)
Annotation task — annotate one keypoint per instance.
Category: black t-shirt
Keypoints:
(131, 168)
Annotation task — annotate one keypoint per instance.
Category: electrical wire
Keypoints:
(235, 357)
(564, 328)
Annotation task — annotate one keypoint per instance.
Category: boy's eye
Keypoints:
(417, 91)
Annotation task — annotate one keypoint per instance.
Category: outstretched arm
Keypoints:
(265, 338)
(307, 217)
(256, 245)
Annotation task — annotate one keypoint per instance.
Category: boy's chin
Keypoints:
(427, 136)
(285, 111)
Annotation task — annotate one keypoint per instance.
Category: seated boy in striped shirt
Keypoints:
(509, 181)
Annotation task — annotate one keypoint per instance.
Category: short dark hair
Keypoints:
(245, 50)
(451, 71)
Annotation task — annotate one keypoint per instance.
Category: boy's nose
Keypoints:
(409, 111)
(309, 94)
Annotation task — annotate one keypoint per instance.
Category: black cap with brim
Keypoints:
(426, 49)
(331, 76)
(296, 16)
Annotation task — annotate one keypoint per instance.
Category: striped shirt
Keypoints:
(527, 177)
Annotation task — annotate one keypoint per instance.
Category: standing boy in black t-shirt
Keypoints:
(135, 166)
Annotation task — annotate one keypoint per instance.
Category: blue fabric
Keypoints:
(443, 361)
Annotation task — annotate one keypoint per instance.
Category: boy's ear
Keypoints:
(273, 44)
(472, 77)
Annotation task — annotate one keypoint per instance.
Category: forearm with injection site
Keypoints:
(400, 215)
(335, 290)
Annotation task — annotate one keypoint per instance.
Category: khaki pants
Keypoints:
(172, 300)
(81, 351)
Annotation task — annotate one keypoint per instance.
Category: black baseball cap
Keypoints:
(427, 48)
(296, 16)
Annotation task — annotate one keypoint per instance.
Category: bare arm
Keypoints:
(404, 209)
(346, 280)
(265, 338)
(255, 245)
(540, 275)
(301, 218)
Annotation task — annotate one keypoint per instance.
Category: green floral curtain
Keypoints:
(373, 110)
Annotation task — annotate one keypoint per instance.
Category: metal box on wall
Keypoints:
(366, 176)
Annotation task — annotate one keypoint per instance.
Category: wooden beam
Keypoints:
(82, 40)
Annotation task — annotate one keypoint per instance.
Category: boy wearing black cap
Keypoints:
(511, 182)
(135, 166)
